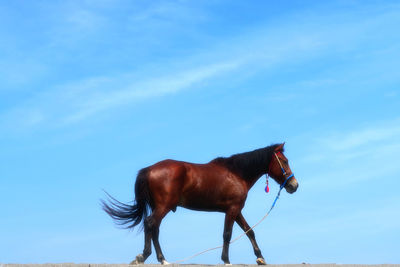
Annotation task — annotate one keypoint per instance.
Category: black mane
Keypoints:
(248, 165)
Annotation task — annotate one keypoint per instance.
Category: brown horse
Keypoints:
(220, 185)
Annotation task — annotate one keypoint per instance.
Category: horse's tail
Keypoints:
(131, 215)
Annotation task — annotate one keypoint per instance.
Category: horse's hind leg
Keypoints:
(141, 258)
(147, 240)
(250, 234)
(154, 225)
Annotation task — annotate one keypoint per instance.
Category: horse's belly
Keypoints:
(211, 201)
(200, 205)
(211, 189)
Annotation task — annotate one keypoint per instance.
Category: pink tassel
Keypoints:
(267, 187)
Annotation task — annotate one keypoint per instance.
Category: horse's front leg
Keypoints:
(250, 234)
(229, 220)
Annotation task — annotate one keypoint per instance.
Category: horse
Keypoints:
(221, 185)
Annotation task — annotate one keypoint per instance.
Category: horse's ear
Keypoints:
(280, 148)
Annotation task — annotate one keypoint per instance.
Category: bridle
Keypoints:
(283, 172)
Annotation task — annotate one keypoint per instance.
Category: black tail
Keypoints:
(131, 215)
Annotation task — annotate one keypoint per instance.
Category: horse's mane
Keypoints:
(248, 165)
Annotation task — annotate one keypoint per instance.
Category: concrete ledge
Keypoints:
(195, 265)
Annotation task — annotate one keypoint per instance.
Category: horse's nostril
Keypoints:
(291, 188)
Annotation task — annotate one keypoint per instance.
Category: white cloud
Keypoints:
(358, 138)
(355, 156)
(258, 49)
(173, 11)
(156, 87)
(75, 102)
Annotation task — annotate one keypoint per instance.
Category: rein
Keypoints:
(251, 228)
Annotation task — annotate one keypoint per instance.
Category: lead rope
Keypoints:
(234, 240)
(238, 237)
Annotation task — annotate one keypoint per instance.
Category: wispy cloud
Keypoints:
(356, 139)
(358, 155)
(169, 11)
(157, 87)
(261, 48)
(75, 102)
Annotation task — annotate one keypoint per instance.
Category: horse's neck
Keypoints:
(251, 181)
(263, 170)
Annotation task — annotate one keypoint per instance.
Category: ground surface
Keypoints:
(195, 265)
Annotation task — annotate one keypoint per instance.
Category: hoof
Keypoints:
(139, 260)
(134, 262)
(261, 261)
(164, 262)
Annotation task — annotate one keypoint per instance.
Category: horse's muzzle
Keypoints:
(292, 186)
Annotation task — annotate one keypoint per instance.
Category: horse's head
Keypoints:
(280, 171)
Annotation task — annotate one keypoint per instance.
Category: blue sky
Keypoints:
(93, 91)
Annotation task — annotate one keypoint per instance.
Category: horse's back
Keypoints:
(178, 174)
(166, 173)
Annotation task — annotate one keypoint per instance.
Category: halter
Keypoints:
(283, 172)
